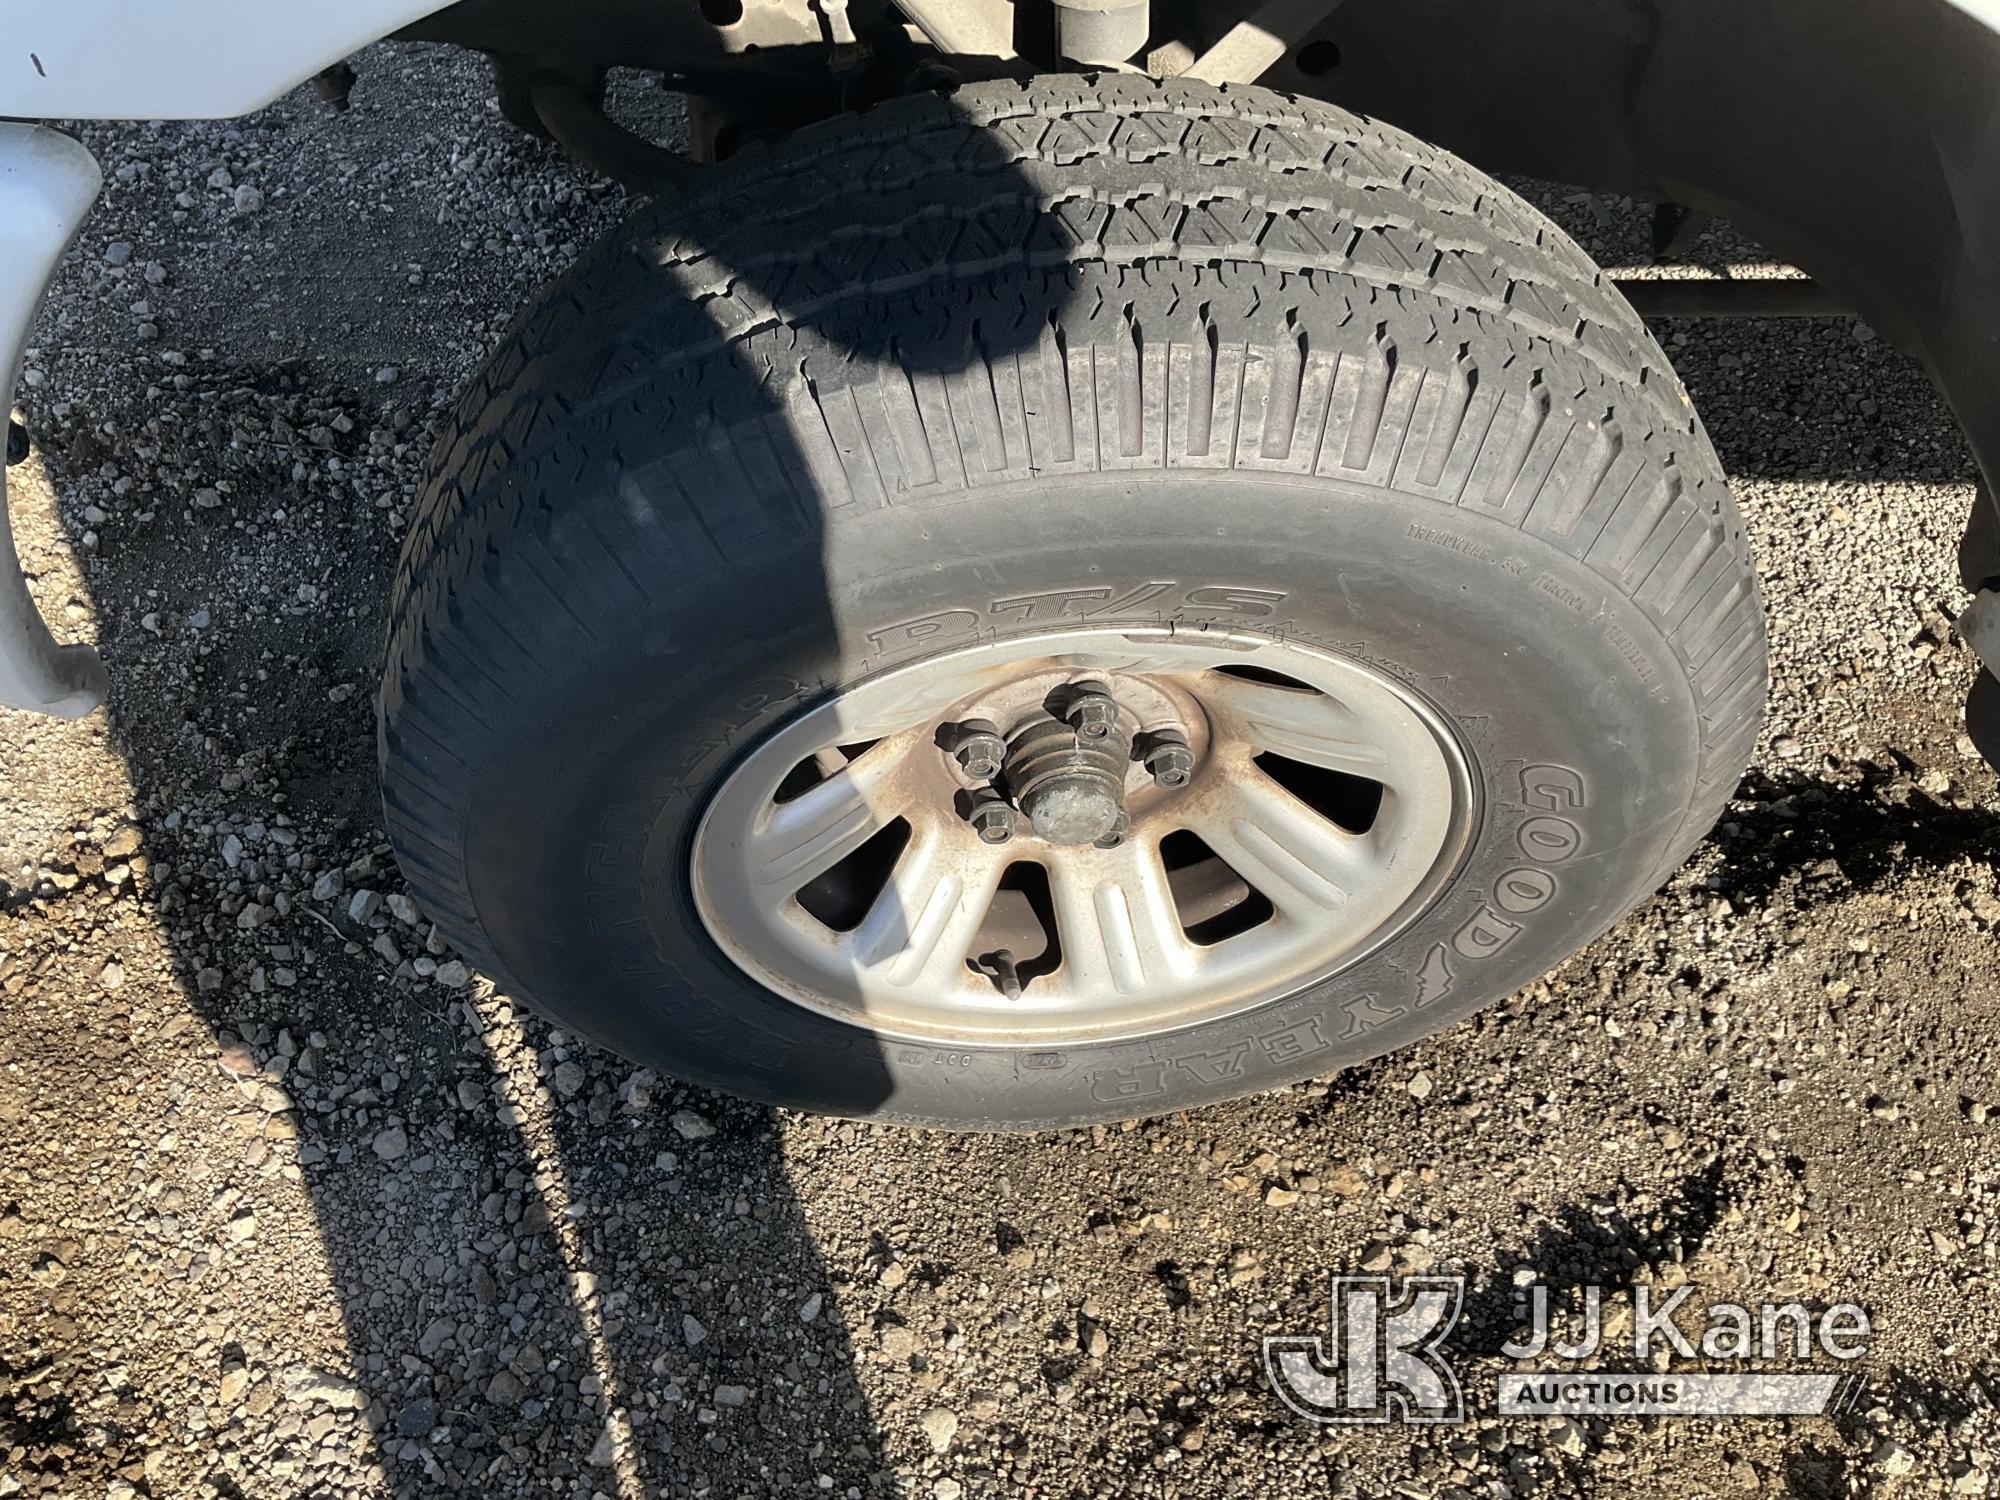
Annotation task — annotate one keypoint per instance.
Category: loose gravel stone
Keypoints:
(1891, 1457)
(690, 1126)
(940, 1426)
(305, 1205)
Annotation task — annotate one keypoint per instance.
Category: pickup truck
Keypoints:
(1080, 558)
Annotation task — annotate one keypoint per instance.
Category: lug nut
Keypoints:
(1115, 834)
(1093, 712)
(979, 750)
(1169, 760)
(993, 818)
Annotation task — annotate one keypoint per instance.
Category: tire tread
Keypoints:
(998, 202)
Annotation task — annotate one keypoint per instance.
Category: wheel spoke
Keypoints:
(1302, 863)
(870, 896)
(919, 931)
(804, 838)
(1116, 920)
(1305, 726)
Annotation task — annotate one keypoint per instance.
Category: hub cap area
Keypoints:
(1083, 835)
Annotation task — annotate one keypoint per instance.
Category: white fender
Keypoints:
(177, 59)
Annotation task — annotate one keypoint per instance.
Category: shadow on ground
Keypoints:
(558, 1274)
(516, 1323)
(1848, 831)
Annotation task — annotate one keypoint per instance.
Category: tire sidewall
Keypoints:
(1573, 712)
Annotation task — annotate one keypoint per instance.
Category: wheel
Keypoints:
(1061, 603)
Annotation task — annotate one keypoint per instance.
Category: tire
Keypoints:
(806, 425)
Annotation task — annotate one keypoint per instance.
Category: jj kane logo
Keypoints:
(1385, 1355)
(1382, 1362)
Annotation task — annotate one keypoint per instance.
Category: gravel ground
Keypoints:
(290, 1204)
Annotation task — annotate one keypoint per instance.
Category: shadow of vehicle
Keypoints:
(557, 1271)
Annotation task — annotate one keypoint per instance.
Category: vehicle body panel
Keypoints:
(47, 185)
(184, 60)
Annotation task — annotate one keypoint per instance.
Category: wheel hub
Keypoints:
(1068, 774)
(1086, 834)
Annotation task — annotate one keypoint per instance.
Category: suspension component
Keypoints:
(575, 119)
(1101, 33)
